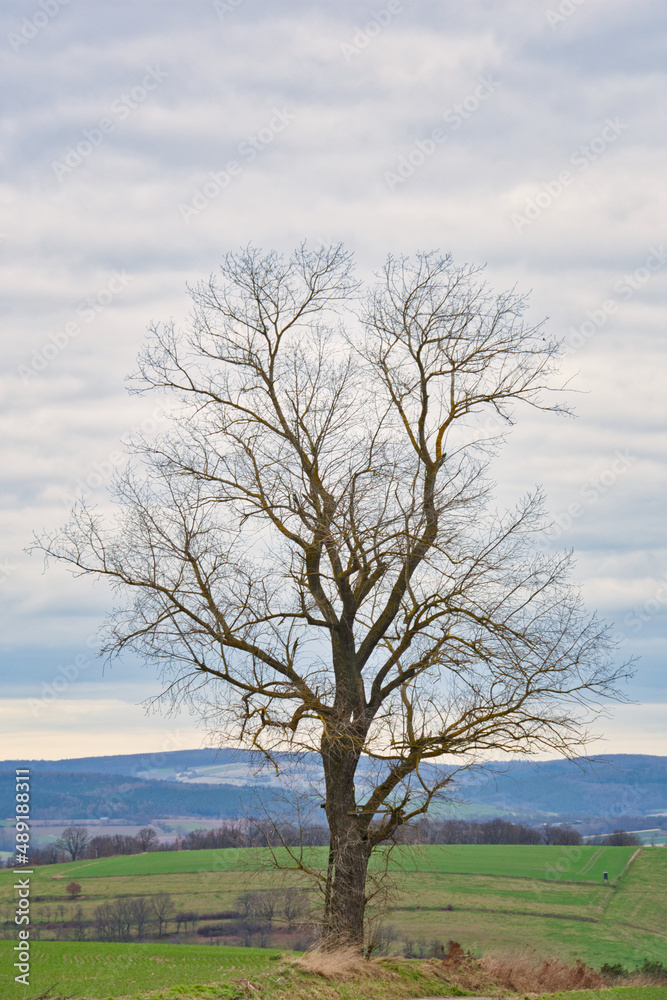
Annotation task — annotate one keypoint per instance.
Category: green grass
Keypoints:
(578, 864)
(94, 969)
(553, 864)
(486, 897)
(156, 863)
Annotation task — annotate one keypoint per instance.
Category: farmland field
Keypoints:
(550, 899)
(95, 969)
(564, 864)
(578, 864)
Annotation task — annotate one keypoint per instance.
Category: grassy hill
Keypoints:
(486, 897)
(552, 864)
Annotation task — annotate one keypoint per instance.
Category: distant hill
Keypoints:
(136, 764)
(222, 783)
(622, 784)
(66, 795)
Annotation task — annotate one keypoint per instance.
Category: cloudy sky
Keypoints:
(141, 141)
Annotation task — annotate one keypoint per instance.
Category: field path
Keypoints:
(591, 861)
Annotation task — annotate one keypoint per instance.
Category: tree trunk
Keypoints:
(349, 854)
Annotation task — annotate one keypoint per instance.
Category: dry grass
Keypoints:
(345, 974)
(522, 972)
(342, 963)
(518, 972)
(495, 974)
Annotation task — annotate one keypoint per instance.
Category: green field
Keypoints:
(554, 864)
(92, 969)
(559, 864)
(552, 900)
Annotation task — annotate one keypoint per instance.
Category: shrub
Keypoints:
(653, 968)
(212, 930)
(73, 890)
(614, 971)
(522, 972)
(619, 838)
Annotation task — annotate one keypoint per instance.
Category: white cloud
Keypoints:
(323, 177)
(89, 727)
(633, 729)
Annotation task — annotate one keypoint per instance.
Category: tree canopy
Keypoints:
(313, 552)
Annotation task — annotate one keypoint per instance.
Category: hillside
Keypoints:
(217, 784)
(621, 784)
(486, 897)
(91, 795)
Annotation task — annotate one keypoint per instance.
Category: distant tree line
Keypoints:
(76, 843)
(456, 831)
(619, 838)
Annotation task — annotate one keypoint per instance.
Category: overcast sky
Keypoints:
(141, 141)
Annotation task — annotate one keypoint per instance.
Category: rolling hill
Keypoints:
(217, 784)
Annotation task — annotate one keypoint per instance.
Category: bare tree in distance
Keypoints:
(148, 838)
(313, 552)
(141, 914)
(162, 908)
(73, 841)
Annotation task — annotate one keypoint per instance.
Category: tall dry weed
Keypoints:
(523, 972)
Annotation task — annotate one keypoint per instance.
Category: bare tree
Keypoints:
(113, 920)
(162, 908)
(73, 841)
(79, 924)
(562, 834)
(313, 552)
(295, 906)
(148, 838)
(141, 913)
(104, 922)
(253, 919)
